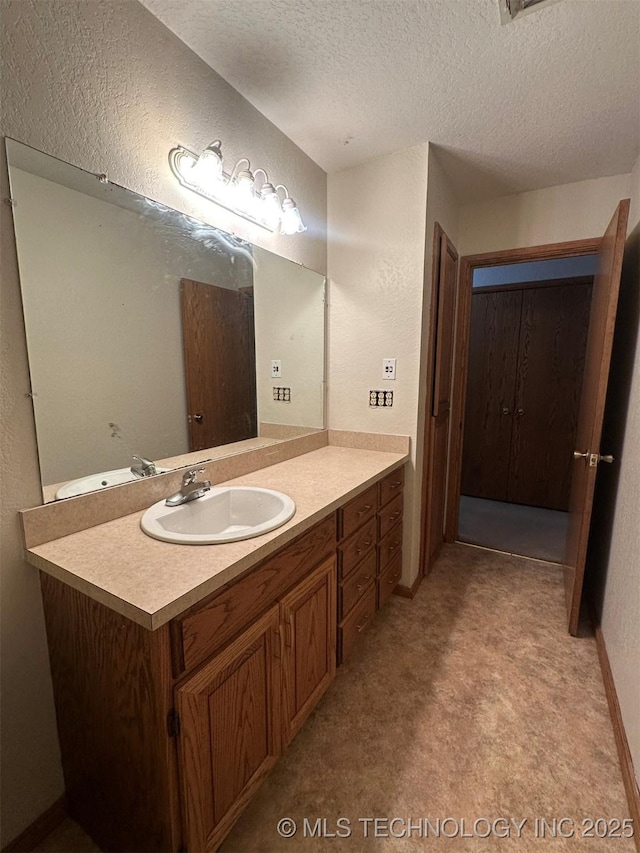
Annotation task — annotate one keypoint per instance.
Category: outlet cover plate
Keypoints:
(388, 368)
(380, 399)
(282, 395)
(276, 369)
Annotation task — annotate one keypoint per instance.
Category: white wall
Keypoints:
(621, 606)
(103, 85)
(289, 310)
(567, 212)
(377, 214)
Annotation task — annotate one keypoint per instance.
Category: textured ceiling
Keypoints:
(551, 98)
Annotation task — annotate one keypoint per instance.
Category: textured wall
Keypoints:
(566, 212)
(621, 606)
(105, 86)
(377, 215)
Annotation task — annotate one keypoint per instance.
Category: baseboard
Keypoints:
(408, 591)
(624, 754)
(39, 829)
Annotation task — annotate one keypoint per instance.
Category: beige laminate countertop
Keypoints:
(150, 582)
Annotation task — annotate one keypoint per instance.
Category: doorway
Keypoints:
(588, 454)
(527, 342)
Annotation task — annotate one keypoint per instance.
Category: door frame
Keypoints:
(468, 264)
(427, 432)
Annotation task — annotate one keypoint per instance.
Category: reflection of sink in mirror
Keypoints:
(94, 482)
(110, 279)
(224, 514)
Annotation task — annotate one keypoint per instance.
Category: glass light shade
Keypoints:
(207, 171)
(244, 191)
(270, 207)
(291, 219)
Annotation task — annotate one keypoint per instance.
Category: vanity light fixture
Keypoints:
(240, 192)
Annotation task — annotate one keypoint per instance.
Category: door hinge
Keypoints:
(173, 723)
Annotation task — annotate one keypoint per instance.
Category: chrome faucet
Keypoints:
(141, 467)
(192, 488)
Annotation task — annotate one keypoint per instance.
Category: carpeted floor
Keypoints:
(469, 702)
(526, 530)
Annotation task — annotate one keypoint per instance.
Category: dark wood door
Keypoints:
(553, 337)
(439, 385)
(230, 731)
(219, 357)
(604, 305)
(308, 617)
(526, 360)
(491, 381)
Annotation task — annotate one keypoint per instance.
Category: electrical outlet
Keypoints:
(282, 395)
(380, 399)
(388, 368)
(276, 369)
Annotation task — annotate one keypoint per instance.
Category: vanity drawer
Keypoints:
(206, 627)
(389, 580)
(391, 485)
(353, 549)
(357, 511)
(356, 623)
(390, 515)
(353, 588)
(389, 547)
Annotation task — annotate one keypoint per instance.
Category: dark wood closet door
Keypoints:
(553, 336)
(493, 349)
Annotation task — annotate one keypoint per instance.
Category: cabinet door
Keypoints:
(230, 729)
(308, 616)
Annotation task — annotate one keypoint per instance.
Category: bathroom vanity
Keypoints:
(171, 714)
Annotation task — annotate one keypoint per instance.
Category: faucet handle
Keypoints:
(191, 476)
(142, 467)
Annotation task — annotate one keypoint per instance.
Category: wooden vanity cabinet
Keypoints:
(166, 735)
(308, 620)
(369, 557)
(242, 708)
(390, 508)
(230, 731)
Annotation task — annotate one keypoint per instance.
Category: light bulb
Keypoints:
(207, 170)
(291, 219)
(270, 207)
(244, 195)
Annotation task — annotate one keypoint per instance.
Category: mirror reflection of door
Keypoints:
(219, 359)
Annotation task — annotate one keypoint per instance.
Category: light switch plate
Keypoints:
(388, 368)
(276, 369)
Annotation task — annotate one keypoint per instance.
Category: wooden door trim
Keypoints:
(426, 433)
(468, 264)
(544, 252)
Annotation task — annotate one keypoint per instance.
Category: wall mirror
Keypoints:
(152, 334)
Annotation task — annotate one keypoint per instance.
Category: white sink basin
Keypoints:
(94, 482)
(223, 514)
